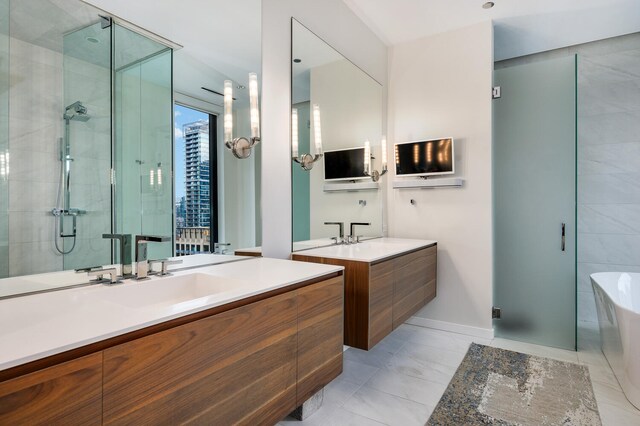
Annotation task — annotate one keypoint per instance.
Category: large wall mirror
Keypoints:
(337, 124)
(111, 127)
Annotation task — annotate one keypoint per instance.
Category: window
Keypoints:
(195, 165)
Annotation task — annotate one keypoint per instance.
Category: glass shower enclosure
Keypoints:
(534, 186)
(85, 136)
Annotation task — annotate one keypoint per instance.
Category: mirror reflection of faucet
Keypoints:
(220, 248)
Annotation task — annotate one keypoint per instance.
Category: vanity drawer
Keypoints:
(380, 301)
(68, 393)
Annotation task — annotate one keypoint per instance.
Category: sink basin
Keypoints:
(180, 291)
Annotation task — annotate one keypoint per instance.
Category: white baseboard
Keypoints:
(484, 333)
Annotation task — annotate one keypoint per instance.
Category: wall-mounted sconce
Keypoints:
(374, 174)
(241, 146)
(306, 161)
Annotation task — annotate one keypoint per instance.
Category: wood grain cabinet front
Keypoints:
(382, 295)
(65, 394)
(250, 364)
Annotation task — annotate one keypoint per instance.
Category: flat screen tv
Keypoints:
(344, 164)
(424, 158)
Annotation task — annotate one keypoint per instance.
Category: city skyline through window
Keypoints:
(193, 180)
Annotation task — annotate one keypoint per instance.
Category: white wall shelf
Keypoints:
(352, 186)
(428, 183)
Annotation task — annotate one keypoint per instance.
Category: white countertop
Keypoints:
(297, 245)
(55, 280)
(40, 325)
(368, 251)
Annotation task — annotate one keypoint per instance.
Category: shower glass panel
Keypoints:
(143, 123)
(85, 148)
(4, 138)
(534, 183)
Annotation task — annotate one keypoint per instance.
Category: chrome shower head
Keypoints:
(77, 112)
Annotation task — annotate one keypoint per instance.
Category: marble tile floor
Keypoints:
(400, 381)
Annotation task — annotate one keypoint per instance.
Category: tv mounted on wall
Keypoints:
(425, 158)
(344, 164)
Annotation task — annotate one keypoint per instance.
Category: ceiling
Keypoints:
(521, 26)
(221, 39)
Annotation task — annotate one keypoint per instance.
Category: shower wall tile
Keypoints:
(608, 98)
(34, 134)
(608, 162)
(34, 166)
(614, 188)
(587, 307)
(617, 251)
(610, 158)
(609, 218)
(25, 196)
(31, 227)
(33, 258)
(616, 127)
(88, 252)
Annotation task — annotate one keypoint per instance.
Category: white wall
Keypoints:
(440, 86)
(333, 21)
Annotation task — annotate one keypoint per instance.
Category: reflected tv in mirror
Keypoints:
(424, 158)
(344, 164)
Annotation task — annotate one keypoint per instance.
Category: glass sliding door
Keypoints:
(143, 154)
(535, 202)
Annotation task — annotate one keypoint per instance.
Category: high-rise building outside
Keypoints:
(198, 196)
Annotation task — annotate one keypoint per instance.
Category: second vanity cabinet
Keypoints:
(250, 362)
(381, 295)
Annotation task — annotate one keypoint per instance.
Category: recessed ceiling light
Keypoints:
(93, 40)
(297, 61)
(488, 5)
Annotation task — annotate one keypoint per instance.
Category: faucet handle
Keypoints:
(164, 264)
(151, 239)
(99, 273)
(358, 238)
(335, 240)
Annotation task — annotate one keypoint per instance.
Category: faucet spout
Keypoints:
(340, 225)
(126, 263)
(352, 227)
(142, 263)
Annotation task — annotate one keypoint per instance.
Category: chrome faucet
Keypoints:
(352, 237)
(341, 226)
(220, 248)
(142, 264)
(99, 272)
(126, 262)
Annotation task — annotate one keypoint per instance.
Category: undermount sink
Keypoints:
(172, 290)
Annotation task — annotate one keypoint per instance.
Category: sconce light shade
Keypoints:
(241, 146)
(253, 105)
(317, 129)
(368, 170)
(306, 161)
(294, 132)
(228, 110)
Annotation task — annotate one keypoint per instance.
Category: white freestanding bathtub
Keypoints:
(618, 304)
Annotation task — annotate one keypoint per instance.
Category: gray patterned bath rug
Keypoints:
(494, 386)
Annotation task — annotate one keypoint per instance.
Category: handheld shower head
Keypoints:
(76, 111)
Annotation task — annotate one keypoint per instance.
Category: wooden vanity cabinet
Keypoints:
(381, 295)
(250, 363)
(65, 394)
